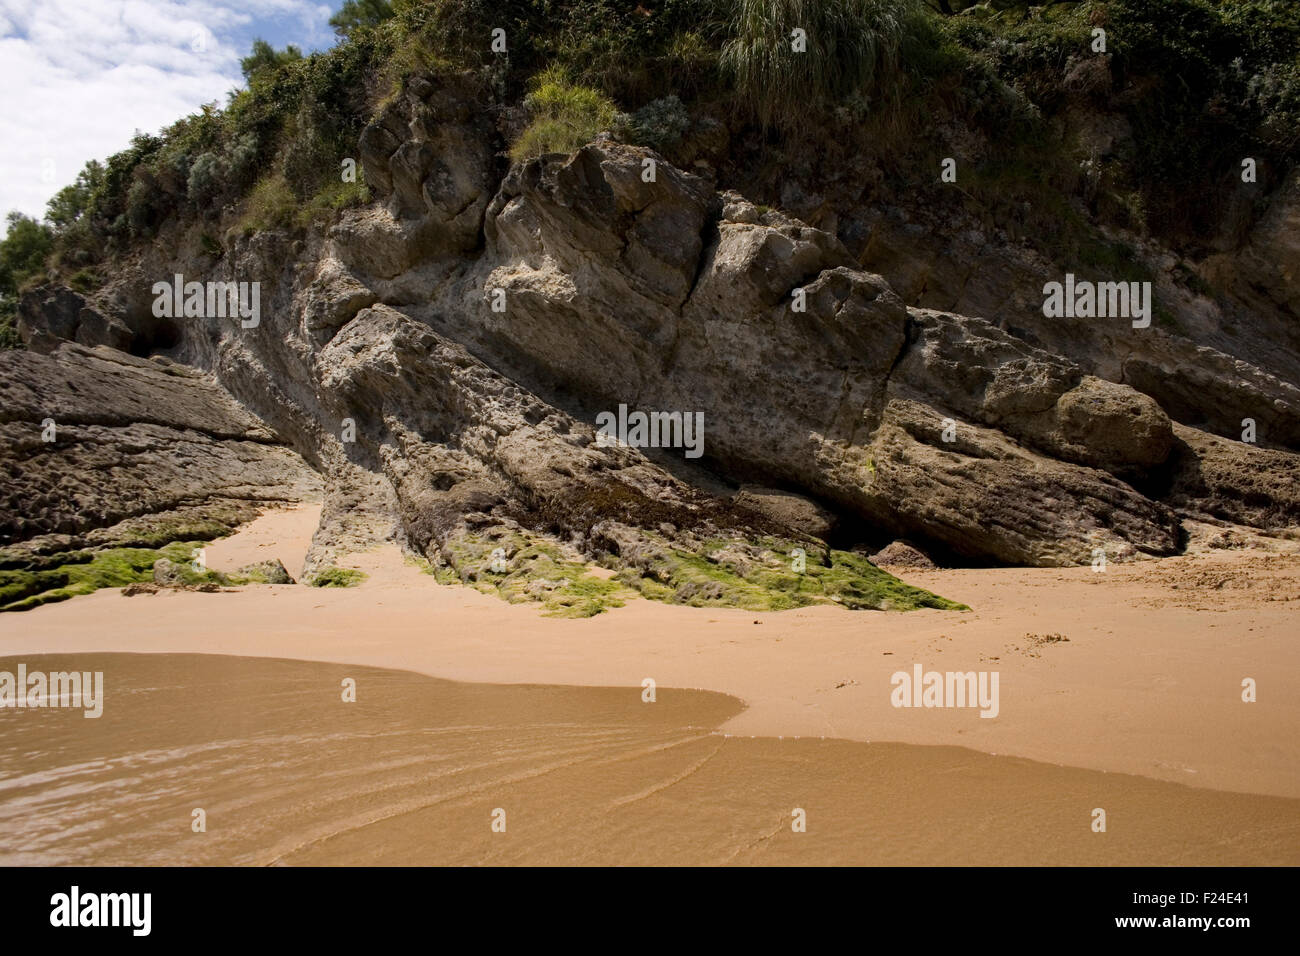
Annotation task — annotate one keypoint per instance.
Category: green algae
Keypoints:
(58, 577)
(333, 577)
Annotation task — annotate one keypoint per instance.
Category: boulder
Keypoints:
(266, 572)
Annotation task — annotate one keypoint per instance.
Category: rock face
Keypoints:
(441, 358)
(95, 439)
(807, 371)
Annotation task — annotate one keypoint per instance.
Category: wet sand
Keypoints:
(1148, 682)
(1145, 692)
(288, 773)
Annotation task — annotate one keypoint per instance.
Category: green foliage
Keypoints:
(265, 60)
(852, 48)
(23, 252)
(635, 52)
(142, 206)
(1273, 94)
(332, 197)
(1203, 82)
(85, 281)
(659, 124)
(630, 51)
(71, 203)
(205, 179)
(565, 116)
(270, 205)
(355, 14)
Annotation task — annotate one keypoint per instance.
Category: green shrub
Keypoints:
(140, 209)
(206, 177)
(23, 250)
(355, 14)
(9, 338)
(565, 116)
(332, 197)
(852, 47)
(85, 281)
(271, 205)
(241, 163)
(1273, 94)
(660, 123)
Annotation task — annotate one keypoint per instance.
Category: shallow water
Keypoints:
(412, 772)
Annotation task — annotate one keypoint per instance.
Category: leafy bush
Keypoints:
(1274, 95)
(565, 116)
(206, 175)
(355, 14)
(264, 60)
(1204, 82)
(85, 281)
(660, 123)
(23, 251)
(140, 210)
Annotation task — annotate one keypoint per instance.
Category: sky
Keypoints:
(80, 77)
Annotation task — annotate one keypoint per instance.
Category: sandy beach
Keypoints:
(1143, 693)
(1148, 682)
(201, 760)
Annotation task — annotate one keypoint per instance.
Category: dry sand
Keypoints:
(1148, 682)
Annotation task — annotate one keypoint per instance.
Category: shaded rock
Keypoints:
(900, 554)
(130, 438)
(787, 508)
(1234, 481)
(430, 157)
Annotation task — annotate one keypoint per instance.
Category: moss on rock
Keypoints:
(69, 574)
(770, 575)
(337, 578)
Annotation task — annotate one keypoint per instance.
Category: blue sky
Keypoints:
(81, 76)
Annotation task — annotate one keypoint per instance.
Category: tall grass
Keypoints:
(852, 48)
(565, 116)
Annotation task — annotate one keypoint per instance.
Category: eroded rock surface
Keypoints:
(464, 431)
(94, 439)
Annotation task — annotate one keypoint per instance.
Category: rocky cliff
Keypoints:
(438, 360)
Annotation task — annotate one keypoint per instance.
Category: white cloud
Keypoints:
(81, 76)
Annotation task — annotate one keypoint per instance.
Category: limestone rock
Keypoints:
(900, 554)
(943, 409)
(266, 572)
